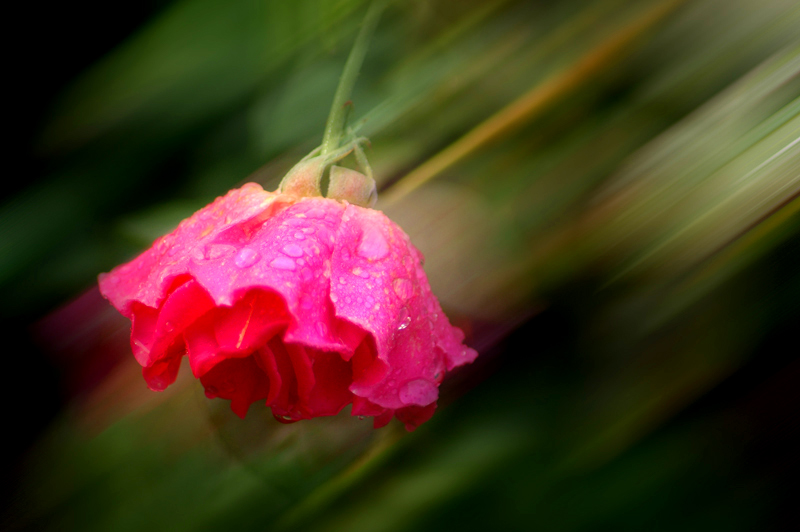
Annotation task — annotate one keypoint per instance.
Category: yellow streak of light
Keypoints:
(525, 108)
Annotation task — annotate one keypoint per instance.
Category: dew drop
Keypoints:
(362, 418)
(299, 235)
(348, 300)
(211, 392)
(218, 251)
(403, 319)
(419, 392)
(322, 329)
(172, 251)
(293, 250)
(342, 280)
(294, 222)
(316, 213)
(373, 244)
(198, 254)
(403, 289)
(246, 258)
(308, 230)
(334, 298)
(169, 327)
(286, 418)
(306, 274)
(360, 273)
(301, 262)
(283, 263)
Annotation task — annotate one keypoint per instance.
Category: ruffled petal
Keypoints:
(332, 379)
(239, 379)
(414, 416)
(163, 372)
(285, 406)
(375, 284)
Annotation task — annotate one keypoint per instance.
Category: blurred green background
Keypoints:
(606, 193)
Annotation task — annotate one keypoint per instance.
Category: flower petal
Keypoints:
(238, 379)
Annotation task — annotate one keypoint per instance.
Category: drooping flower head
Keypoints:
(305, 303)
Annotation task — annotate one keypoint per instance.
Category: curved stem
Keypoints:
(335, 124)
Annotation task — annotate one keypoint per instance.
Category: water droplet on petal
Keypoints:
(246, 258)
(403, 288)
(198, 254)
(316, 213)
(373, 244)
(362, 418)
(172, 251)
(342, 280)
(293, 250)
(218, 251)
(308, 230)
(360, 273)
(299, 235)
(169, 327)
(403, 319)
(283, 263)
(418, 392)
(286, 418)
(322, 329)
(348, 299)
(334, 298)
(211, 392)
(294, 222)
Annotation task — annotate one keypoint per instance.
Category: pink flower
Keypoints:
(308, 304)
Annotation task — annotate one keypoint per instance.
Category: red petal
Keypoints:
(238, 379)
(332, 379)
(414, 416)
(252, 321)
(164, 372)
(266, 361)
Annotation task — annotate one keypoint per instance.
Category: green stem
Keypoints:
(335, 124)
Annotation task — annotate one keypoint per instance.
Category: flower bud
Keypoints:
(304, 178)
(354, 187)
